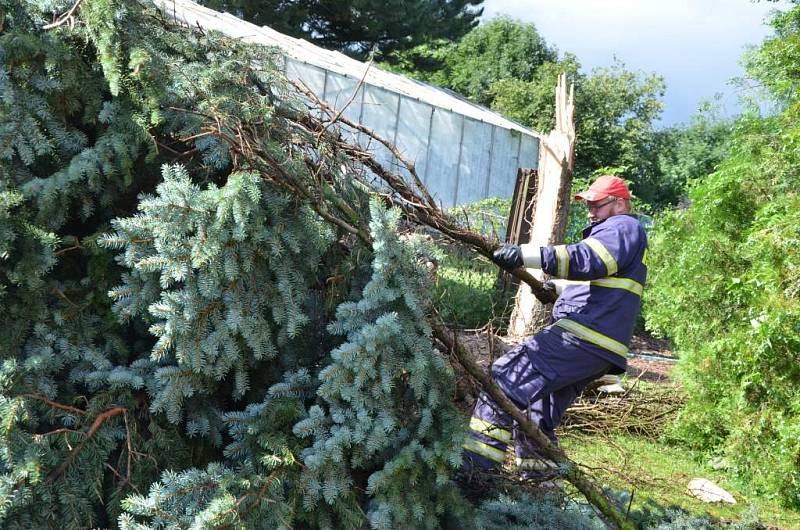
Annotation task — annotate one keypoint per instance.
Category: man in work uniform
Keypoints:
(599, 282)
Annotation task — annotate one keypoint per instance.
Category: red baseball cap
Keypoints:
(603, 187)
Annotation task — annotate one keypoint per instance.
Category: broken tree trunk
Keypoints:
(550, 206)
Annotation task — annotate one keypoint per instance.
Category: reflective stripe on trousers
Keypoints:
(489, 435)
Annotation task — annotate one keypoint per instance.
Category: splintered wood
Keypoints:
(550, 205)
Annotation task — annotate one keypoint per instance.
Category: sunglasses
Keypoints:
(597, 206)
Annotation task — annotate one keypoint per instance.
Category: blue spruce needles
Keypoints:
(386, 407)
(176, 232)
(221, 275)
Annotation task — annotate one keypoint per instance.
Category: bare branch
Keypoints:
(350, 100)
(66, 18)
(54, 404)
(98, 421)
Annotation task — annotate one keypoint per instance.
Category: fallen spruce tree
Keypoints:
(216, 312)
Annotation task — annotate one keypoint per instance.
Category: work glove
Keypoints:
(508, 256)
(551, 287)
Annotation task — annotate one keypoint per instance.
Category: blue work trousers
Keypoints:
(542, 376)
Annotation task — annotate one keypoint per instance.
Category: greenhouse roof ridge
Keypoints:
(194, 15)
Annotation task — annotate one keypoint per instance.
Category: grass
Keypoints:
(659, 474)
(467, 294)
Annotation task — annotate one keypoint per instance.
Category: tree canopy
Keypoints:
(357, 27)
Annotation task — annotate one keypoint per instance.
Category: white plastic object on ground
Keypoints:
(611, 384)
(707, 491)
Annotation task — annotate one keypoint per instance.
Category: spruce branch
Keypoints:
(258, 497)
(313, 135)
(246, 143)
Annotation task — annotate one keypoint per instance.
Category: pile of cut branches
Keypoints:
(644, 411)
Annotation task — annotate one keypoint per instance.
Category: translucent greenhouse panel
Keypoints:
(473, 170)
(529, 152)
(343, 92)
(443, 150)
(412, 133)
(309, 75)
(380, 115)
(505, 161)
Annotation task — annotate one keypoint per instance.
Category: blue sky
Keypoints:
(695, 44)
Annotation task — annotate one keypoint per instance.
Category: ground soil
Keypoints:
(659, 361)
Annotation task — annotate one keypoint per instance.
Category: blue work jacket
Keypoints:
(599, 307)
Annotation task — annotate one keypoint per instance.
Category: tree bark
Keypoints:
(550, 207)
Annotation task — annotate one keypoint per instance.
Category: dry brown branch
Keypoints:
(408, 164)
(63, 251)
(56, 431)
(350, 100)
(58, 292)
(54, 404)
(98, 421)
(644, 413)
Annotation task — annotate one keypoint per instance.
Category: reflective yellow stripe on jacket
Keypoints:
(603, 254)
(590, 335)
(620, 283)
(611, 283)
(562, 261)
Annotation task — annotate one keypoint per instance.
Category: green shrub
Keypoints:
(725, 282)
(724, 285)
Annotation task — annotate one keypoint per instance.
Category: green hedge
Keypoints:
(725, 282)
(724, 285)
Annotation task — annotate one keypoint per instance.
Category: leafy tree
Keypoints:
(690, 152)
(500, 49)
(615, 110)
(358, 26)
(725, 282)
